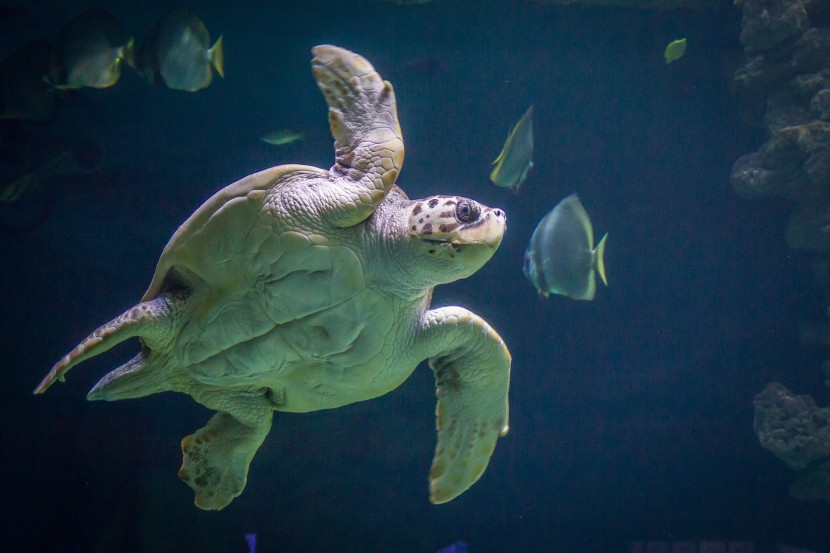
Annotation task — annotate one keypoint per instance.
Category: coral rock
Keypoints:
(792, 427)
(768, 23)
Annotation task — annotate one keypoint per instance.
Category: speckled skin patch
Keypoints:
(457, 229)
(431, 214)
(439, 218)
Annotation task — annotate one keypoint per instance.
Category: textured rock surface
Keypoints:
(787, 71)
(793, 427)
(768, 23)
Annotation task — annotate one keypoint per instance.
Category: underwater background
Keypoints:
(631, 416)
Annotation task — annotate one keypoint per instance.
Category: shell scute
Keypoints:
(302, 280)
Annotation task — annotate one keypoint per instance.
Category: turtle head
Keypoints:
(453, 236)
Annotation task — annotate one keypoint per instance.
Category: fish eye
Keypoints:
(467, 211)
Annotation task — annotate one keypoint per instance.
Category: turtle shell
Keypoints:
(272, 291)
(226, 211)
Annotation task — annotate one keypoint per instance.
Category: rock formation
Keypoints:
(797, 431)
(786, 77)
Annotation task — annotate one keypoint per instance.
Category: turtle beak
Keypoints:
(471, 245)
(488, 230)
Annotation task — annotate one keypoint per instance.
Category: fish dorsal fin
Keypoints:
(503, 150)
(599, 260)
(512, 134)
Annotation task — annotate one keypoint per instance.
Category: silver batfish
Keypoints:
(177, 52)
(561, 257)
(88, 52)
(516, 158)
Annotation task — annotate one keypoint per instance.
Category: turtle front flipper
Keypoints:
(472, 377)
(363, 118)
(216, 458)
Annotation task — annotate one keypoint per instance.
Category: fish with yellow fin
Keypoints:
(516, 158)
(675, 50)
(177, 52)
(561, 257)
(88, 52)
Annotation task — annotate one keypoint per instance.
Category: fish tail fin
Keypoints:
(129, 53)
(599, 253)
(217, 57)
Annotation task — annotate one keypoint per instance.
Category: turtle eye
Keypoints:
(467, 211)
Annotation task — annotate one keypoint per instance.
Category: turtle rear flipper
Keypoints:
(151, 320)
(134, 379)
(472, 377)
(216, 458)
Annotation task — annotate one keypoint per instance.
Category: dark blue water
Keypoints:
(631, 416)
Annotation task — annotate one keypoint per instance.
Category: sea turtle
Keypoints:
(298, 289)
